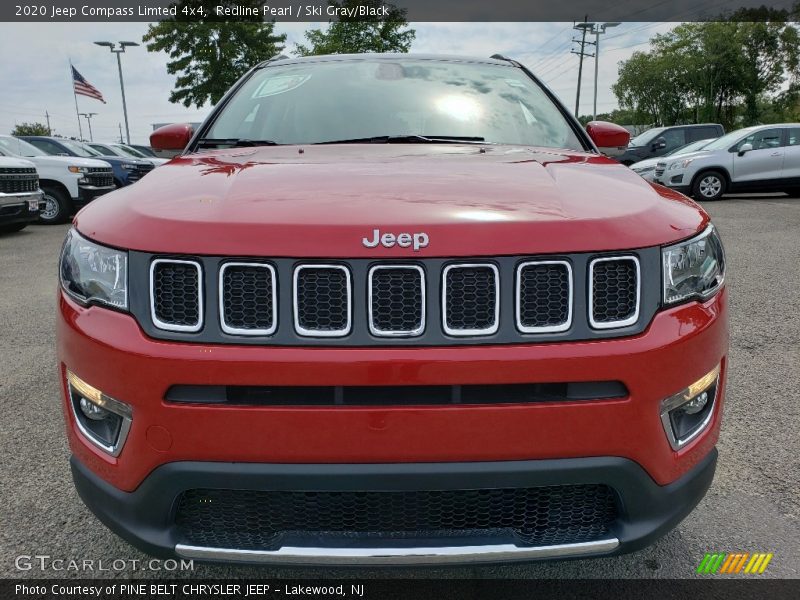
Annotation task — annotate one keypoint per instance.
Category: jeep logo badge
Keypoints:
(404, 240)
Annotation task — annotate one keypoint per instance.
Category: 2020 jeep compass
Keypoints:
(392, 309)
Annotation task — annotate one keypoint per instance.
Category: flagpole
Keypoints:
(74, 93)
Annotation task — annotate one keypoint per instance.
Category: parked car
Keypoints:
(765, 158)
(439, 327)
(126, 170)
(131, 151)
(117, 150)
(67, 182)
(20, 196)
(146, 150)
(662, 140)
(647, 168)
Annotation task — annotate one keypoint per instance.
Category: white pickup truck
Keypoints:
(20, 196)
(67, 182)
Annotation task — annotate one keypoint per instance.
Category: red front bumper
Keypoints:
(109, 350)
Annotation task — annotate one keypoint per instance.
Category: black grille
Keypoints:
(544, 295)
(536, 516)
(398, 300)
(471, 298)
(18, 180)
(176, 294)
(660, 167)
(247, 298)
(140, 171)
(615, 285)
(322, 296)
(100, 177)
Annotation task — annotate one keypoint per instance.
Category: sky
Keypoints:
(36, 76)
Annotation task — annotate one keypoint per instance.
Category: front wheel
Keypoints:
(709, 186)
(56, 206)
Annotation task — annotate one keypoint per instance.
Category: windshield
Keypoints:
(19, 147)
(106, 150)
(77, 149)
(728, 140)
(645, 138)
(129, 151)
(331, 101)
(693, 147)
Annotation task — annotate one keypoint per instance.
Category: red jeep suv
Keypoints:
(392, 309)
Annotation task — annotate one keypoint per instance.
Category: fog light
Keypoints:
(689, 412)
(102, 420)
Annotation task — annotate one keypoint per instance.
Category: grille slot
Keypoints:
(322, 300)
(176, 299)
(614, 291)
(535, 516)
(396, 300)
(248, 299)
(544, 296)
(18, 180)
(470, 299)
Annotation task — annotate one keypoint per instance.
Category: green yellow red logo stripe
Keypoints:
(734, 562)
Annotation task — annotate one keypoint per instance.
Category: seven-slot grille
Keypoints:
(471, 299)
(100, 176)
(396, 300)
(614, 291)
(248, 298)
(176, 295)
(18, 180)
(322, 300)
(544, 296)
(465, 297)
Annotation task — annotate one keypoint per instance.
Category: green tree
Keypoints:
(208, 55)
(31, 129)
(357, 34)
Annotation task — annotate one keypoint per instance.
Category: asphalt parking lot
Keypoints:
(753, 505)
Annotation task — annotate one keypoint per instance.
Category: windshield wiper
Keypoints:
(233, 142)
(410, 139)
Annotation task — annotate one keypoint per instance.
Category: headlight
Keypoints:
(78, 169)
(643, 169)
(694, 268)
(92, 273)
(128, 166)
(680, 164)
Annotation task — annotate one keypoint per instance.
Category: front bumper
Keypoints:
(87, 193)
(146, 517)
(16, 208)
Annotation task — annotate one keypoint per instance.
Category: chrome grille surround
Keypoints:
(374, 330)
(296, 308)
(473, 331)
(274, 292)
(592, 297)
(153, 313)
(518, 298)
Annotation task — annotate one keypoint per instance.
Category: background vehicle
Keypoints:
(661, 140)
(126, 170)
(439, 327)
(20, 196)
(67, 182)
(647, 168)
(120, 150)
(765, 158)
(146, 150)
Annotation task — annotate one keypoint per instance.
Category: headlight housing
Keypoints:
(78, 169)
(694, 268)
(94, 274)
(128, 166)
(680, 164)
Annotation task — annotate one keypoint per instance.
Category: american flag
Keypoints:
(84, 88)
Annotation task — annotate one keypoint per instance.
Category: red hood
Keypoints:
(321, 201)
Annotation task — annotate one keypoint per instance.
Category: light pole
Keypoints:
(598, 29)
(113, 47)
(88, 117)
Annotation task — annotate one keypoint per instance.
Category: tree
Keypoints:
(357, 34)
(210, 54)
(31, 129)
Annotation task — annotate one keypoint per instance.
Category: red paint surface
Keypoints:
(109, 350)
(608, 135)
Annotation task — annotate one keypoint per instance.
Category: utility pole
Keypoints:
(598, 29)
(120, 133)
(113, 47)
(583, 27)
(47, 116)
(88, 117)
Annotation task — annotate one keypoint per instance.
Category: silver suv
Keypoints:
(765, 158)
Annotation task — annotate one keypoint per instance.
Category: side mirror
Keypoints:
(610, 139)
(173, 137)
(659, 144)
(745, 148)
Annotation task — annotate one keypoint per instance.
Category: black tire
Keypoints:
(794, 192)
(709, 186)
(57, 208)
(13, 228)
